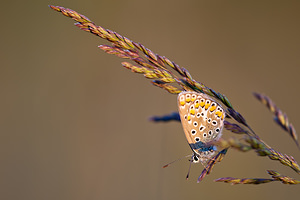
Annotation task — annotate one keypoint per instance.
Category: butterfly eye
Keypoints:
(197, 139)
(195, 123)
(209, 132)
(209, 120)
(217, 130)
(195, 159)
(198, 115)
(204, 134)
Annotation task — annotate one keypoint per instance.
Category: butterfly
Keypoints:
(202, 119)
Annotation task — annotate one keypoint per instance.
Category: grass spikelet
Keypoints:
(280, 118)
(235, 128)
(284, 179)
(275, 177)
(285, 160)
(261, 149)
(235, 181)
(234, 143)
(211, 163)
(171, 89)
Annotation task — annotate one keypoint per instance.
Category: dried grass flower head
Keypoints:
(169, 76)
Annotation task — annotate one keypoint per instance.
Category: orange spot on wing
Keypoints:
(207, 105)
(188, 99)
(219, 113)
(189, 117)
(212, 108)
(202, 103)
(223, 116)
(192, 111)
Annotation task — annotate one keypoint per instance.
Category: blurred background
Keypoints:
(74, 122)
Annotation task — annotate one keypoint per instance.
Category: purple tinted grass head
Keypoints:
(280, 118)
(169, 76)
(152, 65)
(275, 177)
(217, 158)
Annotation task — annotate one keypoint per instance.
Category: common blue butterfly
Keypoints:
(202, 119)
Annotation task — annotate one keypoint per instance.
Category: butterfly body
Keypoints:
(202, 119)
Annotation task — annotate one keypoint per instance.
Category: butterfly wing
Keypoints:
(202, 119)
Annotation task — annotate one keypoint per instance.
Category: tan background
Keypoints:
(74, 123)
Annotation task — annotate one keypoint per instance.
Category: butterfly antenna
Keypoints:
(188, 174)
(175, 161)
